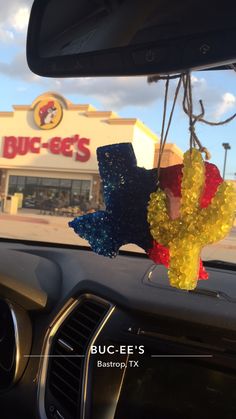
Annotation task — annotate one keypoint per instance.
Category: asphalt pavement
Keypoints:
(32, 226)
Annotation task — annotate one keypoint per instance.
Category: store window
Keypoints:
(50, 182)
(81, 194)
(81, 187)
(16, 184)
(31, 180)
(61, 192)
(65, 183)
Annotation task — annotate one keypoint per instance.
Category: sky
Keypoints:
(130, 97)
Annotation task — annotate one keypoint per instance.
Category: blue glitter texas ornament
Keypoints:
(127, 190)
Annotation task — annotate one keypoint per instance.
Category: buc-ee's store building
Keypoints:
(48, 148)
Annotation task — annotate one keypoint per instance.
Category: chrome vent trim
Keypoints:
(15, 340)
(66, 346)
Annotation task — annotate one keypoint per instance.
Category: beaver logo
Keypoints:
(48, 114)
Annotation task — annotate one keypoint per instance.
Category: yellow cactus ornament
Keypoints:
(195, 227)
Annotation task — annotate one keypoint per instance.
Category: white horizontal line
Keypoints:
(54, 356)
(153, 356)
(181, 356)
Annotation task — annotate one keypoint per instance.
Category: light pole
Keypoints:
(226, 147)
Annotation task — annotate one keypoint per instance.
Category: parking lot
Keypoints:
(31, 225)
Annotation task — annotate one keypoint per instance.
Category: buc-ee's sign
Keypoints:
(75, 146)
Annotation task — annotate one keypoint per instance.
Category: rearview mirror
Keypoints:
(77, 38)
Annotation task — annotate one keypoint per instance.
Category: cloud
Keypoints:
(6, 35)
(13, 19)
(19, 20)
(113, 92)
(198, 83)
(227, 103)
(10, 8)
(202, 90)
(17, 69)
(22, 88)
(216, 103)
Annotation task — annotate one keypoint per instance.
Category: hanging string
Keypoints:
(163, 138)
(200, 117)
(193, 119)
(171, 113)
(187, 103)
(164, 111)
(163, 128)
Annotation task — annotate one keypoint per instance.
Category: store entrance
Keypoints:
(50, 193)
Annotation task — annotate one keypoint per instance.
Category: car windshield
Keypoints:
(50, 130)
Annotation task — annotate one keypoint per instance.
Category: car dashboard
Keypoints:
(83, 336)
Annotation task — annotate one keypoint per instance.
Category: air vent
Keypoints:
(67, 356)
